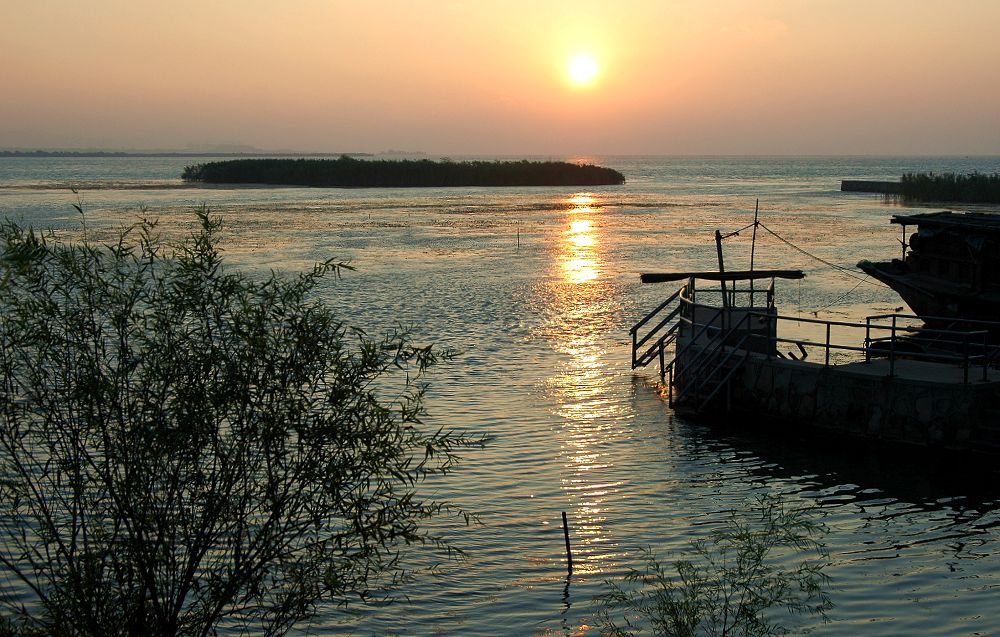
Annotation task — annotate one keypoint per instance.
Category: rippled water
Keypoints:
(537, 289)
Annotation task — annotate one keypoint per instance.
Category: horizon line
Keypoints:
(92, 152)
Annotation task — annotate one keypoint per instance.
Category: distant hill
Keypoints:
(347, 172)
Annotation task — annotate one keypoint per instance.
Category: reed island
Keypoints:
(348, 172)
(933, 188)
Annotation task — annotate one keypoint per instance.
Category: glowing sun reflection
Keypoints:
(579, 250)
(586, 402)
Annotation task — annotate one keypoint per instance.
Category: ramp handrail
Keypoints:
(705, 356)
(732, 370)
(647, 356)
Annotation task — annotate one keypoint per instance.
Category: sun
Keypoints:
(583, 69)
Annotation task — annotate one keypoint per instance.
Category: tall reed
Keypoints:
(970, 188)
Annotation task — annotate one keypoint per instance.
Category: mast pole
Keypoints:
(722, 268)
(753, 246)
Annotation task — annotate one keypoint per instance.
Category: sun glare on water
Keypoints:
(583, 69)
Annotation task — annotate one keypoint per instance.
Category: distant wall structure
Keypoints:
(879, 187)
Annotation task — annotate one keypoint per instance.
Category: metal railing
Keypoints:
(654, 341)
(733, 295)
(660, 344)
(709, 361)
(715, 337)
(889, 336)
(968, 349)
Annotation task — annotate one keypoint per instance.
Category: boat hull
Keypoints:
(937, 301)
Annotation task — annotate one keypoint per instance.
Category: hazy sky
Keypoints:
(484, 77)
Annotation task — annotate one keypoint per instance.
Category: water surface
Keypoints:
(537, 289)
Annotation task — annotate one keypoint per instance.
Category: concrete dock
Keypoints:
(724, 361)
(922, 403)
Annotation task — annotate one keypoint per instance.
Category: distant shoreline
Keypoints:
(111, 154)
(93, 184)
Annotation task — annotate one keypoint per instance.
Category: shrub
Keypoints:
(731, 582)
(183, 448)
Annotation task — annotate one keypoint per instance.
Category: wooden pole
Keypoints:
(569, 552)
(722, 268)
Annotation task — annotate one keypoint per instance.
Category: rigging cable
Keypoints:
(736, 233)
(842, 269)
(841, 297)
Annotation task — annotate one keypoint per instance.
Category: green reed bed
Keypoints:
(971, 188)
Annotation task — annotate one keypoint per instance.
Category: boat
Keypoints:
(949, 270)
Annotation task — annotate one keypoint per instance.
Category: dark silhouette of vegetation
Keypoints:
(971, 188)
(348, 172)
(184, 449)
(729, 583)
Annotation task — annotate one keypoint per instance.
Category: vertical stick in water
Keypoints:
(569, 553)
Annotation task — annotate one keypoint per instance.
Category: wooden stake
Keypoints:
(569, 552)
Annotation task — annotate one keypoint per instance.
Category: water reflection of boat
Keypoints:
(950, 267)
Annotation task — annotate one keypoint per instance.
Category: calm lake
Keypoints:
(537, 288)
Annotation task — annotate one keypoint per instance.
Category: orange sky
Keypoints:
(483, 77)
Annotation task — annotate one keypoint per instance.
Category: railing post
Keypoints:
(868, 339)
(670, 387)
(827, 344)
(663, 370)
(892, 348)
(635, 336)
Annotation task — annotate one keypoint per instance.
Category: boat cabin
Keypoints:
(964, 248)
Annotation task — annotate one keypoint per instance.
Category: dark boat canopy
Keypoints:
(736, 275)
(977, 222)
